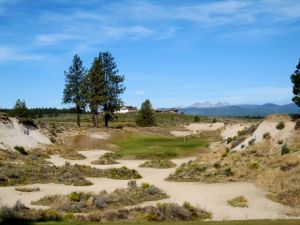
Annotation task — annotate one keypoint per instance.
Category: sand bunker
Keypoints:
(231, 130)
(211, 197)
(270, 127)
(99, 135)
(198, 127)
(13, 133)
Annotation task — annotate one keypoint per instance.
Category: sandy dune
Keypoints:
(212, 197)
(12, 134)
(197, 128)
(276, 135)
(231, 130)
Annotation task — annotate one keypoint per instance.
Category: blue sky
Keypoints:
(172, 52)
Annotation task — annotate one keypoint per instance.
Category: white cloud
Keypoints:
(12, 54)
(53, 38)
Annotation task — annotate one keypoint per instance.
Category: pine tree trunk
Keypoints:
(78, 115)
(94, 119)
(106, 118)
(78, 119)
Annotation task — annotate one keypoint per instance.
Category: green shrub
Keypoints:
(251, 142)
(74, 196)
(217, 165)
(253, 164)
(228, 172)
(239, 201)
(145, 185)
(229, 140)
(285, 149)
(267, 136)
(21, 150)
(197, 119)
(146, 115)
(280, 125)
(158, 164)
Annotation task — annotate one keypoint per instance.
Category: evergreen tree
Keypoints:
(20, 109)
(72, 92)
(113, 86)
(295, 78)
(146, 116)
(93, 87)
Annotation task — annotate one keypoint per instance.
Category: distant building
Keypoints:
(126, 109)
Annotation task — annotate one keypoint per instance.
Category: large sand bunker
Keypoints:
(13, 133)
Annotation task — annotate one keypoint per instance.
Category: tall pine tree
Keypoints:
(295, 78)
(113, 86)
(72, 92)
(93, 87)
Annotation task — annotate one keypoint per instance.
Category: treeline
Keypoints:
(34, 113)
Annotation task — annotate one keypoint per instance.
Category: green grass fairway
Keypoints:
(247, 222)
(141, 145)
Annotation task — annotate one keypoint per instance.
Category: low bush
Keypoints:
(239, 201)
(228, 172)
(267, 136)
(280, 125)
(87, 202)
(174, 212)
(106, 159)
(251, 142)
(21, 150)
(158, 164)
(229, 140)
(19, 214)
(285, 149)
(196, 119)
(253, 164)
(27, 189)
(30, 173)
(73, 156)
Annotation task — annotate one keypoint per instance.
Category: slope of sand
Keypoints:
(211, 197)
(231, 130)
(13, 133)
(270, 127)
(197, 128)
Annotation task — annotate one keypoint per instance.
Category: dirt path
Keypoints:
(211, 197)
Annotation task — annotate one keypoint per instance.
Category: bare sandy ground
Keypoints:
(99, 135)
(270, 127)
(12, 134)
(197, 128)
(231, 130)
(211, 197)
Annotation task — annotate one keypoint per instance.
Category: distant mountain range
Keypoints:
(225, 109)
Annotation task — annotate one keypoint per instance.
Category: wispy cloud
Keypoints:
(53, 38)
(13, 54)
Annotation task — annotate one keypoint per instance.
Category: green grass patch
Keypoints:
(142, 145)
